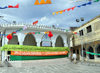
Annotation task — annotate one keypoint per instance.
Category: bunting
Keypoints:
(42, 2)
(92, 53)
(3, 7)
(10, 6)
(72, 8)
(37, 32)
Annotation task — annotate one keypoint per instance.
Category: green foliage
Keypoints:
(32, 48)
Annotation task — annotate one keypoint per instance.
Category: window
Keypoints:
(81, 32)
(89, 29)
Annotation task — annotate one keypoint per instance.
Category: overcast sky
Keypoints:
(28, 12)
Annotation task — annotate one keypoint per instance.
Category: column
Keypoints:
(38, 43)
(53, 43)
(65, 43)
(95, 58)
(21, 38)
(3, 52)
(6, 41)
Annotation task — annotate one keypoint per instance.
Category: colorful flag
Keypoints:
(3, 7)
(10, 6)
(35, 22)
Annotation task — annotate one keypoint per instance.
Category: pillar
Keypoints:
(65, 43)
(38, 43)
(53, 43)
(21, 38)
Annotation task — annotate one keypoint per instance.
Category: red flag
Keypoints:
(73, 8)
(10, 6)
(35, 22)
(68, 9)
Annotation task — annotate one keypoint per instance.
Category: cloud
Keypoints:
(28, 12)
(43, 19)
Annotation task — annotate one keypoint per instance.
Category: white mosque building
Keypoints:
(59, 39)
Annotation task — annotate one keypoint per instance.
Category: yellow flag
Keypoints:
(61, 12)
(53, 13)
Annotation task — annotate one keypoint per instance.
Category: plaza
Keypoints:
(62, 65)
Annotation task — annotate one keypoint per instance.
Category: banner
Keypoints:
(92, 53)
(21, 53)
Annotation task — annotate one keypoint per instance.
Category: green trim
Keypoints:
(17, 58)
(32, 48)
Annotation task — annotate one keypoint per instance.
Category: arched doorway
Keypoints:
(29, 40)
(46, 41)
(90, 49)
(98, 50)
(59, 42)
(14, 40)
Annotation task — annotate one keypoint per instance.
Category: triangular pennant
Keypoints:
(48, 2)
(84, 4)
(57, 12)
(53, 13)
(96, 1)
(36, 2)
(89, 3)
(68, 9)
(17, 6)
(73, 7)
(79, 6)
(64, 10)
(61, 12)
(42, 2)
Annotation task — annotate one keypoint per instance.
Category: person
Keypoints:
(74, 58)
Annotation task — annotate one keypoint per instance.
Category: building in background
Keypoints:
(87, 37)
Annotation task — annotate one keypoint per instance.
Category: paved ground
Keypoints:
(62, 65)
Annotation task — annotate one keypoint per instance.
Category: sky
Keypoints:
(28, 12)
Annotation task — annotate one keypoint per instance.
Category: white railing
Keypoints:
(32, 26)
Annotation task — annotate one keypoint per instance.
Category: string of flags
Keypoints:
(10, 6)
(72, 8)
(92, 53)
(78, 1)
(9, 36)
(42, 2)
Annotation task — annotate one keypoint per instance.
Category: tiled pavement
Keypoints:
(62, 65)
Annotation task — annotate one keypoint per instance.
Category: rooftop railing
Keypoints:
(33, 26)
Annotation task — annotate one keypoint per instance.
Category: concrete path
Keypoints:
(62, 65)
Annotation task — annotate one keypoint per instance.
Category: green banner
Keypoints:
(92, 53)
